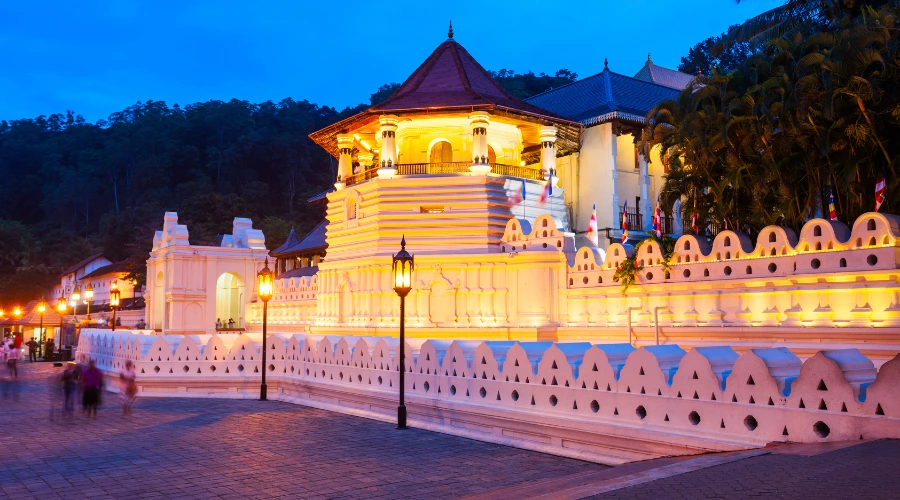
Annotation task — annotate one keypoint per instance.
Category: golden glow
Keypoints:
(365, 145)
(17, 311)
(76, 296)
(114, 296)
(61, 305)
(265, 283)
(88, 292)
(2, 314)
(42, 307)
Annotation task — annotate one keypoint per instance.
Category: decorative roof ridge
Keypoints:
(610, 99)
(600, 74)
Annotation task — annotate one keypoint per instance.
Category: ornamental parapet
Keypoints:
(609, 403)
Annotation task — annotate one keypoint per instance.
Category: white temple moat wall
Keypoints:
(609, 403)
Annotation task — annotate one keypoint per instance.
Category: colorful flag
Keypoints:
(548, 191)
(625, 223)
(592, 235)
(880, 189)
(519, 196)
(832, 212)
(657, 220)
(695, 217)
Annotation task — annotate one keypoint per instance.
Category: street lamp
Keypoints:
(265, 288)
(88, 297)
(402, 271)
(41, 309)
(114, 302)
(17, 311)
(61, 307)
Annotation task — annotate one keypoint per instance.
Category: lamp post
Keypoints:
(265, 288)
(88, 297)
(401, 269)
(41, 309)
(61, 307)
(114, 302)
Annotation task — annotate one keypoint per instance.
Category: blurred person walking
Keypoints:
(128, 377)
(12, 360)
(92, 385)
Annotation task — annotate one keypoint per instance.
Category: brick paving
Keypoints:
(869, 470)
(189, 448)
(213, 448)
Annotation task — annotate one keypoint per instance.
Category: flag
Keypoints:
(657, 222)
(880, 189)
(625, 223)
(548, 191)
(519, 196)
(832, 212)
(695, 217)
(592, 235)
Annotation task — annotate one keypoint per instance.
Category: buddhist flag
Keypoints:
(592, 235)
(880, 189)
(519, 196)
(548, 191)
(657, 222)
(695, 217)
(625, 223)
(832, 212)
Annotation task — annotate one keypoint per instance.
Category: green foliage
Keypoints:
(525, 85)
(626, 272)
(813, 109)
(383, 93)
(713, 53)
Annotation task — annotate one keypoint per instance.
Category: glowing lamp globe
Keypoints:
(61, 305)
(89, 292)
(265, 283)
(41, 307)
(17, 311)
(114, 295)
(76, 296)
(402, 270)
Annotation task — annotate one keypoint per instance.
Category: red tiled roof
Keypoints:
(451, 78)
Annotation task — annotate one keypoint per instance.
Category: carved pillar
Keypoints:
(612, 139)
(345, 159)
(548, 149)
(387, 167)
(647, 205)
(480, 160)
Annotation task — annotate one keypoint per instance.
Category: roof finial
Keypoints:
(450, 31)
(605, 63)
(648, 57)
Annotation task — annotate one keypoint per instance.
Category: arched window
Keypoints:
(817, 231)
(492, 156)
(441, 152)
(352, 208)
(870, 225)
(772, 237)
(727, 241)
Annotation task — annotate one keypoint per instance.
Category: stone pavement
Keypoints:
(190, 448)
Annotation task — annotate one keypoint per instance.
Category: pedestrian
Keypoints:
(129, 387)
(12, 358)
(92, 384)
(230, 324)
(69, 384)
(32, 350)
(48, 350)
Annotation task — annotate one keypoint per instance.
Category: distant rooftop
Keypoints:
(607, 96)
(313, 241)
(663, 76)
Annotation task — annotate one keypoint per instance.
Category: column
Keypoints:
(479, 123)
(648, 206)
(614, 172)
(345, 160)
(387, 133)
(548, 149)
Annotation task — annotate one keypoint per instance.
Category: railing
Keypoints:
(455, 167)
(370, 173)
(634, 218)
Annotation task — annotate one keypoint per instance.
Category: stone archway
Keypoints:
(230, 299)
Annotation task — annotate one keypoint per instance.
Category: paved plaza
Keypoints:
(190, 448)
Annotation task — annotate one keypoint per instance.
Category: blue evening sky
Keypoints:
(100, 56)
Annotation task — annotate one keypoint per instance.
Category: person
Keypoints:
(218, 323)
(92, 384)
(48, 350)
(12, 358)
(129, 387)
(32, 350)
(230, 324)
(69, 384)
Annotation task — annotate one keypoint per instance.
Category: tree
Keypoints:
(383, 93)
(528, 84)
(711, 53)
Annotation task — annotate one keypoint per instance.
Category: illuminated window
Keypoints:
(441, 152)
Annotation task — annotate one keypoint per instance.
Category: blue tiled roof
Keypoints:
(591, 99)
(314, 240)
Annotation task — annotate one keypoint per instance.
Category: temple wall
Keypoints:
(609, 403)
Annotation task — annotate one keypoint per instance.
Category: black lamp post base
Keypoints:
(401, 417)
(262, 392)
